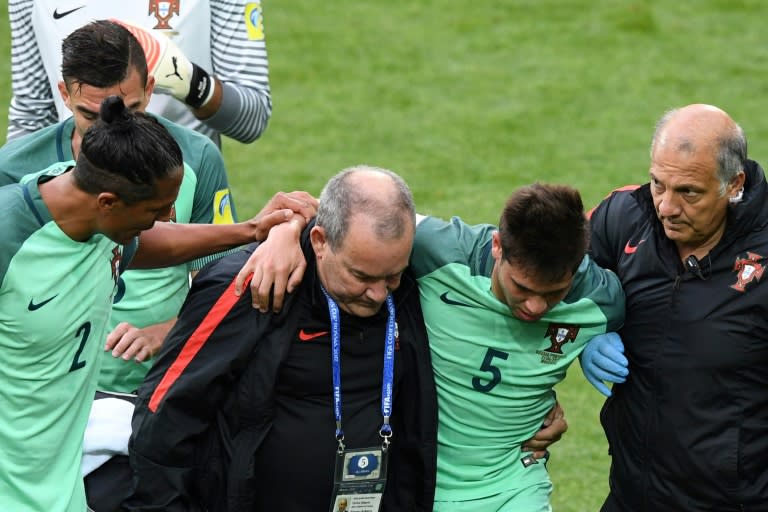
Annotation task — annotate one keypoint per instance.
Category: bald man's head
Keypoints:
(373, 192)
(703, 131)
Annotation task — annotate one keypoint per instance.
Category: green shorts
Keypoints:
(535, 498)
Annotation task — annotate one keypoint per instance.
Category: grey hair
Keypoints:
(340, 199)
(731, 150)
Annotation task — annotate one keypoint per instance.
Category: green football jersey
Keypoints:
(144, 297)
(55, 300)
(495, 373)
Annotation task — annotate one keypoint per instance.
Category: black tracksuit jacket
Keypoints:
(688, 430)
(207, 404)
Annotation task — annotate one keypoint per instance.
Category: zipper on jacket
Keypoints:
(651, 428)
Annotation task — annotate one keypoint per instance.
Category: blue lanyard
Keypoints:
(387, 384)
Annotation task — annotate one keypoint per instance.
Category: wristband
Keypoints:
(201, 87)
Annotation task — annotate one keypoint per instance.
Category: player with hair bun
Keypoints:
(68, 233)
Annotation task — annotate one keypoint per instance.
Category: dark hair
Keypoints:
(544, 230)
(126, 153)
(101, 54)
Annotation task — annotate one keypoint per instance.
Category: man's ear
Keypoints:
(106, 201)
(319, 244)
(736, 186)
(496, 245)
(64, 93)
(149, 89)
(735, 189)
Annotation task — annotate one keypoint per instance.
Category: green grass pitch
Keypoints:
(468, 100)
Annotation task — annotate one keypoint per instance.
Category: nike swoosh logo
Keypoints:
(307, 336)
(58, 15)
(444, 298)
(34, 307)
(630, 249)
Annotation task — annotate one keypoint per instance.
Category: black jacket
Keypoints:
(208, 403)
(688, 431)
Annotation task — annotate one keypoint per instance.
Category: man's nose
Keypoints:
(378, 291)
(668, 205)
(536, 305)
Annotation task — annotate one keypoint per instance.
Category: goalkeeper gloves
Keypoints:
(603, 360)
(174, 73)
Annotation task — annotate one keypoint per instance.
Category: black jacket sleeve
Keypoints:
(198, 363)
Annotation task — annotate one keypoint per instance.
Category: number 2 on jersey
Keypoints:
(83, 332)
(490, 368)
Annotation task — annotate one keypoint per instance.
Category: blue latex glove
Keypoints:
(603, 360)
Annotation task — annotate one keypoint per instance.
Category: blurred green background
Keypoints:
(469, 100)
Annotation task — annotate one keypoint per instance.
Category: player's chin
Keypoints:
(526, 317)
(676, 230)
(126, 237)
(363, 310)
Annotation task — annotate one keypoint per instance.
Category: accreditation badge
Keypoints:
(359, 480)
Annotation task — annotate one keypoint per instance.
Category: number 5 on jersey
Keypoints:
(487, 366)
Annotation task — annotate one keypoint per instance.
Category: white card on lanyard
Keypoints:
(360, 478)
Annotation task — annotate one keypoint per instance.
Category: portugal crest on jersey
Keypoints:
(747, 269)
(559, 335)
(163, 11)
